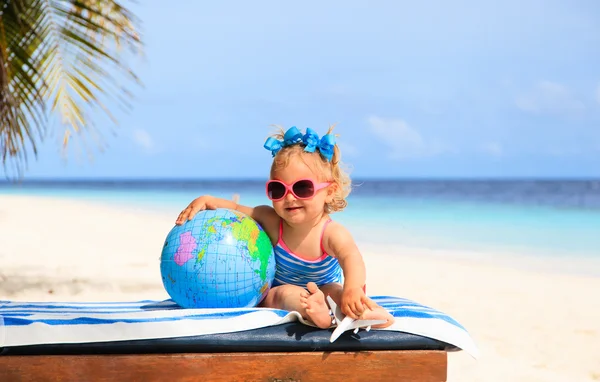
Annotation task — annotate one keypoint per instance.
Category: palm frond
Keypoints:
(22, 106)
(67, 54)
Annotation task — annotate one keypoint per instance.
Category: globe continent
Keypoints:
(219, 259)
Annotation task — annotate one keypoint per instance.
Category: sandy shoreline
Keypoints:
(529, 325)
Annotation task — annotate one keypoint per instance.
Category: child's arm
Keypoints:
(264, 215)
(339, 243)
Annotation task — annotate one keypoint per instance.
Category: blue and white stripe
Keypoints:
(290, 269)
(29, 323)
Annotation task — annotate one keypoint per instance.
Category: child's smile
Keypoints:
(292, 211)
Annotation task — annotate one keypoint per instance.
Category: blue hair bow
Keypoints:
(325, 144)
(292, 136)
(310, 139)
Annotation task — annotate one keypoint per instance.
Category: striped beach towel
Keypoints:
(37, 323)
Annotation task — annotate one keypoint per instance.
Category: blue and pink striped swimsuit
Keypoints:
(296, 270)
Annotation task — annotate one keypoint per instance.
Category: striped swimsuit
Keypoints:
(295, 270)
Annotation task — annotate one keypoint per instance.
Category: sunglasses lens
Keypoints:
(276, 190)
(304, 188)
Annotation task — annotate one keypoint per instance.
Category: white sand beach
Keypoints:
(530, 325)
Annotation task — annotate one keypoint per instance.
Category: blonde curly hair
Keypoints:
(326, 170)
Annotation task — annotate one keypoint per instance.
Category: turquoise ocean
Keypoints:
(536, 219)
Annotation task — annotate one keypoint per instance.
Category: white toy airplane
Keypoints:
(346, 323)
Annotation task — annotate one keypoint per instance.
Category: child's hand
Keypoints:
(205, 202)
(355, 301)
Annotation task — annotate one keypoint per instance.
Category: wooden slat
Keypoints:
(298, 366)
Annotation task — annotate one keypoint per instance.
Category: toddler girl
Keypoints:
(315, 256)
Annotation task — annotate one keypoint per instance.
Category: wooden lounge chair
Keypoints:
(123, 348)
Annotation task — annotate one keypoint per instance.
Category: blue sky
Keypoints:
(417, 89)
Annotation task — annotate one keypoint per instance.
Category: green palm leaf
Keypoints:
(65, 54)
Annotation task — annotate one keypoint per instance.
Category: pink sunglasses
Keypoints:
(301, 189)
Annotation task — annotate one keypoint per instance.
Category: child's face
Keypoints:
(296, 211)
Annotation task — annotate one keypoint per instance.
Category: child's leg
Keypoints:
(313, 302)
(312, 305)
(293, 298)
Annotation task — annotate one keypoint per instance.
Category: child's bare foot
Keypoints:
(315, 306)
(378, 314)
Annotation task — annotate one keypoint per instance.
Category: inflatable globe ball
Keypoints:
(219, 259)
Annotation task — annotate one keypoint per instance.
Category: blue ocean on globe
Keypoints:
(219, 259)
